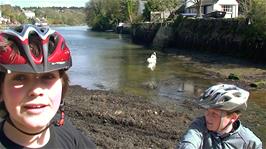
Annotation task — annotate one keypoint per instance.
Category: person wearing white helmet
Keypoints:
(220, 126)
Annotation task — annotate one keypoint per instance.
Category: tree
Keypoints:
(257, 15)
(160, 5)
(102, 14)
(130, 10)
(254, 11)
(106, 14)
(198, 7)
(245, 7)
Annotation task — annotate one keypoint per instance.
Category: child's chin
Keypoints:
(38, 123)
(210, 128)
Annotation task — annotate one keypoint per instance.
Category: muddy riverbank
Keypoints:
(116, 120)
(120, 120)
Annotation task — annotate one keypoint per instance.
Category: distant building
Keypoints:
(3, 20)
(29, 14)
(141, 6)
(159, 16)
(208, 6)
(40, 22)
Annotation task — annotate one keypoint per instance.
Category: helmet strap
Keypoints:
(24, 132)
(61, 121)
(224, 130)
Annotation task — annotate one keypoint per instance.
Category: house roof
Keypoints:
(209, 2)
(204, 3)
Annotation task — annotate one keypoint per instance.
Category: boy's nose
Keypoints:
(36, 92)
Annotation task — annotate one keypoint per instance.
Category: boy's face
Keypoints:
(32, 99)
(216, 119)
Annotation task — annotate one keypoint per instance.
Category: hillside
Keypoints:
(54, 15)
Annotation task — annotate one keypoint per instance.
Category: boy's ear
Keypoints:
(3, 111)
(234, 117)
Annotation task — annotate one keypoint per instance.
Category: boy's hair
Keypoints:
(237, 112)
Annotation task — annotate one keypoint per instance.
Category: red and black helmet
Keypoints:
(29, 48)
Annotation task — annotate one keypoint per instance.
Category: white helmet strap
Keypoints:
(228, 127)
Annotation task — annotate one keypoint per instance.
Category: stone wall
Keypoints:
(144, 33)
(226, 36)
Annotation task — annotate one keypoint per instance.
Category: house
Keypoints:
(29, 14)
(40, 22)
(141, 6)
(159, 16)
(4, 20)
(208, 6)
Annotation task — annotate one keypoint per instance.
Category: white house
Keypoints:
(29, 14)
(207, 6)
(158, 16)
(141, 6)
(40, 22)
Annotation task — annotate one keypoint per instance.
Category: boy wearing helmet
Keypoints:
(33, 83)
(220, 126)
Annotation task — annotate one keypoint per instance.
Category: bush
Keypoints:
(258, 17)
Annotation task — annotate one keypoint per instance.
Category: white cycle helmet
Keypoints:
(225, 97)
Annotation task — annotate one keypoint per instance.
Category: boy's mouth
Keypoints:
(35, 108)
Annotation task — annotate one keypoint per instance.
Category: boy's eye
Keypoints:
(19, 78)
(215, 114)
(48, 76)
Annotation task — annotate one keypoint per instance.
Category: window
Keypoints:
(227, 8)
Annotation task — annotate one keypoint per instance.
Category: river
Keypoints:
(108, 61)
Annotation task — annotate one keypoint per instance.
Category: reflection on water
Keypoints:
(180, 89)
(110, 61)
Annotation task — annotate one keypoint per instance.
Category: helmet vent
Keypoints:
(230, 88)
(43, 30)
(16, 46)
(237, 94)
(63, 45)
(214, 96)
(18, 29)
(226, 98)
(35, 45)
(53, 41)
(51, 45)
(211, 92)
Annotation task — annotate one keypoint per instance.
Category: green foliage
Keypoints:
(14, 13)
(54, 15)
(258, 16)
(106, 14)
(101, 14)
(255, 12)
(58, 15)
(131, 9)
(159, 5)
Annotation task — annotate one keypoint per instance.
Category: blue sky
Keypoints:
(45, 3)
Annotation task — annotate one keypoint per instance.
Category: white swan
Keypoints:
(152, 61)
